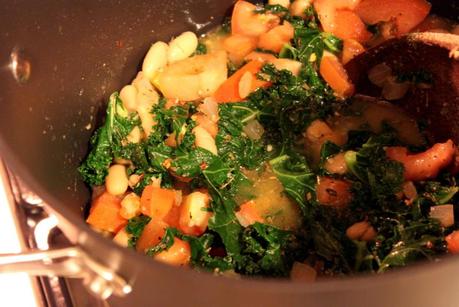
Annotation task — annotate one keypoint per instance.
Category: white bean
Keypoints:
(298, 7)
(182, 47)
(155, 59)
(205, 140)
(130, 206)
(128, 97)
(116, 181)
(284, 3)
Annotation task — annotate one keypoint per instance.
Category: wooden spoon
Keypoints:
(436, 53)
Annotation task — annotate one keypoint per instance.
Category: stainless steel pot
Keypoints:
(60, 61)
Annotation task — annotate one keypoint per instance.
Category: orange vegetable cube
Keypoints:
(245, 21)
(238, 46)
(157, 202)
(178, 254)
(335, 75)
(105, 213)
(151, 235)
(248, 214)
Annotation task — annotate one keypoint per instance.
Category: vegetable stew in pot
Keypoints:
(250, 151)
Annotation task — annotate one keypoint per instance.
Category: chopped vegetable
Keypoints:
(407, 13)
(105, 213)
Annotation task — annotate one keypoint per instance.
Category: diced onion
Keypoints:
(444, 214)
(253, 129)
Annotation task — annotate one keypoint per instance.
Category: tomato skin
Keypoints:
(426, 164)
(333, 192)
(275, 39)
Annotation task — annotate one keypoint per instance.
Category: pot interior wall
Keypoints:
(79, 53)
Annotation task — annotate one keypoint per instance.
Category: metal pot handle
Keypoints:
(70, 262)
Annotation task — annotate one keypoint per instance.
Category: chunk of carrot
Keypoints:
(276, 38)
(105, 213)
(178, 254)
(426, 164)
(151, 235)
(245, 21)
(157, 202)
(335, 75)
(238, 46)
(229, 90)
(351, 49)
(333, 192)
(407, 13)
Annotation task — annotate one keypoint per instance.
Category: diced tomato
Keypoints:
(246, 22)
(173, 217)
(426, 164)
(452, 240)
(229, 90)
(248, 214)
(348, 25)
(157, 202)
(194, 216)
(178, 254)
(276, 38)
(333, 192)
(151, 234)
(407, 13)
(335, 75)
(338, 18)
(105, 213)
(351, 49)
(238, 46)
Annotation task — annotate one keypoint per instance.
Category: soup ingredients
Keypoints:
(247, 151)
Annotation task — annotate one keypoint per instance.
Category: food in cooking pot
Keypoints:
(248, 149)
